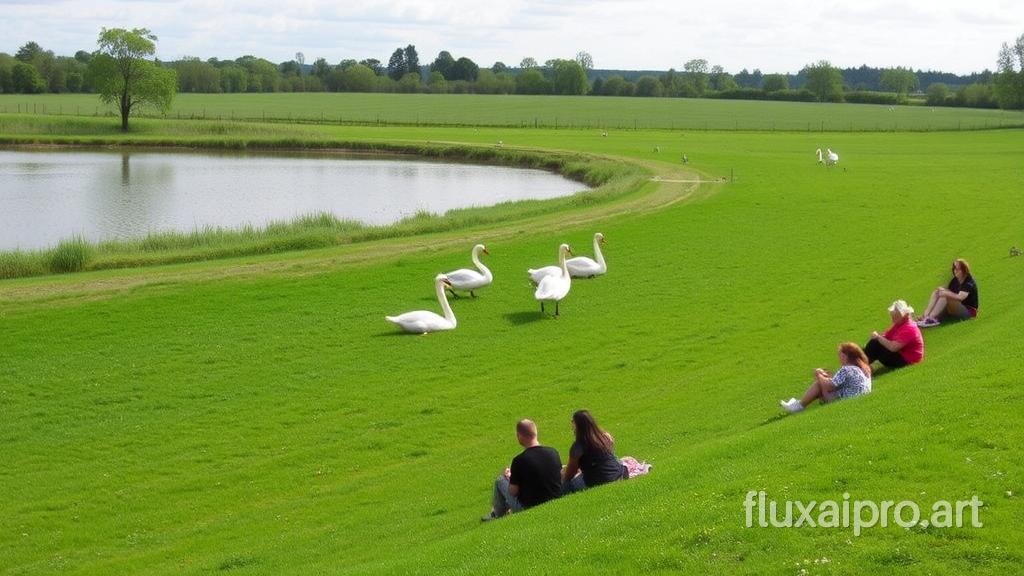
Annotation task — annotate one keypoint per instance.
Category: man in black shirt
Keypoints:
(534, 477)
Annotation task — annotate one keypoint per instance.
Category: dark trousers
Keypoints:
(875, 351)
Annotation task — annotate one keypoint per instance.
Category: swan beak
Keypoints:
(603, 242)
(486, 251)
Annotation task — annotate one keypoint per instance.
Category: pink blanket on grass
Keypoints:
(635, 467)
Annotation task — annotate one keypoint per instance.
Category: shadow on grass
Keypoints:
(520, 318)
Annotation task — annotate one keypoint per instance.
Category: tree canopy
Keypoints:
(122, 74)
(824, 81)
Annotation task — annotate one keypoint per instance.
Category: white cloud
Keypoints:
(781, 35)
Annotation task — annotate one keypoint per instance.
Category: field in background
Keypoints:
(541, 111)
(259, 416)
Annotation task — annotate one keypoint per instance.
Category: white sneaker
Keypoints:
(792, 405)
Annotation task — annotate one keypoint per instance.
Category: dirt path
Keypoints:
(671, 185)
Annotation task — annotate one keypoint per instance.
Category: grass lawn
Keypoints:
(581, 112)
(258, 416)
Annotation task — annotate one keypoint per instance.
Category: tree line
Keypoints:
(33, 69)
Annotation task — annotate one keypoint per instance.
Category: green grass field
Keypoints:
(581, 112)
(257, 415)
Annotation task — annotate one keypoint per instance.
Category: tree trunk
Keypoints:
(126, 109)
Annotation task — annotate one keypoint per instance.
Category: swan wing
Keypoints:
(537, 275)
(552, 288)
(465, 279)
(582, 266)
(420, 321)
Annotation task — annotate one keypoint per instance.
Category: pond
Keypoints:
(50, 195)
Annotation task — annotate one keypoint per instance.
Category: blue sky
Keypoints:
(955, 36)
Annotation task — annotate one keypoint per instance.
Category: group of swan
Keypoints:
(831, 160)
(553, 284)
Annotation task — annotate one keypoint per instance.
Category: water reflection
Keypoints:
(49, 195)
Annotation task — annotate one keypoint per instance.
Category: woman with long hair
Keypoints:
(852, 379)
(959, 299)
(592, 459)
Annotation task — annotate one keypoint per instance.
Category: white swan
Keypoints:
(422, 321)
(583, 267)
(555, 287)
(466, 279)
(832, 158)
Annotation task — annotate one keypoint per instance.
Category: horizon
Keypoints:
(945, 38)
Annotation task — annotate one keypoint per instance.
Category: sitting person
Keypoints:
(533, 478)
(592, 460)
(852, 379)
(959, 299)
(902, 344)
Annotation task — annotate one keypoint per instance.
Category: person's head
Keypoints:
(851, 354)
(961, 269)
(526, 432)
(588, 434)
(900, 311)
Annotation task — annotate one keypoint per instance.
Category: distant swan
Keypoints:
(831, 160)
(555, 287)
(424, 322)
(583, 267)
(466, 279)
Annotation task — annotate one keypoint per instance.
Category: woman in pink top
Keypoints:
(902, 344)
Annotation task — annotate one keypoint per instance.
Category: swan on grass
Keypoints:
(584, 267)
(556, 286)
(830, 159)
(423, 321)
(466, 279)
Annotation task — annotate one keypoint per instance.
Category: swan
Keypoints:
(556, 286)
(832, 159)
(466, 279)
(583, 267)
(424, 322)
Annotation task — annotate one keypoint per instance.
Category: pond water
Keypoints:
(50, 195)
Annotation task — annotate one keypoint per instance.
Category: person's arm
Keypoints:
(890, 345)
(571, 469)
(958, 296)
(513, 486)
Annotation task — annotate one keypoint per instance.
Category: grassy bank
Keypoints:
(609, 179)
(577, 112)
(275, 423)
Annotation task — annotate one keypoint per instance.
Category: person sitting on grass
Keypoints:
(852, 379)
(959, 299)
(533, 478)
(592, 460)
(902, 344)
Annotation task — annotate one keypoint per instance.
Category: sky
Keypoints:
(771, 35)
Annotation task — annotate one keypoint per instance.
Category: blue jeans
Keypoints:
(503, 503)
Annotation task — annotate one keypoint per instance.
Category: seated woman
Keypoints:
(592, 460)
(959, 299)
(902, 344)
(852, 379)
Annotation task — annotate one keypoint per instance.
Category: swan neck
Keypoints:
(442, 299)
(480, 266)
(598, 255)
(561, 263)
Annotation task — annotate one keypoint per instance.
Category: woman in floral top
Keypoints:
(852, 379)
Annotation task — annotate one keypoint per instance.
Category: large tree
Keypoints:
(121, 73)
(396, 65)
(569, 78)
(443, 64)
(824, 81)
(1009, 79)
(412, 60)
(902, 81)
